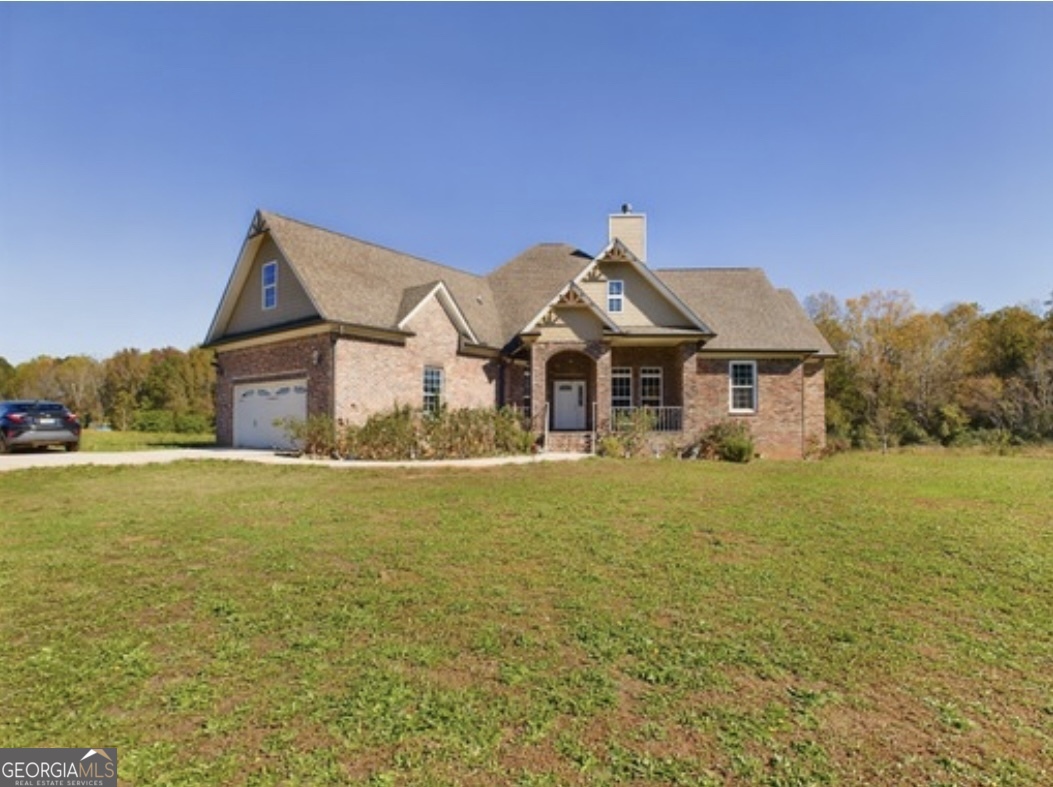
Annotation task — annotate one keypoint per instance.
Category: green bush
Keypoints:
(315, 437)
(154, 421)
(612, 445)
(405, 433)
(632, 431)
(728, 441)
(193, 423)
(386, 437)
(157, 421)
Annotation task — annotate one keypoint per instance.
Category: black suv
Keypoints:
(37, 423)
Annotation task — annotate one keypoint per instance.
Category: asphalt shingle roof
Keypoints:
(745, 310)
(357, 282)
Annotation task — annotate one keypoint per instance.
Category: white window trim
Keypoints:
(652, 372)
(528, 392)
(265, 288)
(618, 298)
(622, 372)
(755, 387)
(439, 395)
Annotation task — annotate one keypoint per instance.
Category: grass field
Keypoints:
(97, 440)
(877, 620)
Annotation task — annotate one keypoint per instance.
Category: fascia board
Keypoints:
(240, 275)
(651, 278)
(453, 311)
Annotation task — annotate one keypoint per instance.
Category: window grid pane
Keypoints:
(432, 389)
(615, 293)
(528, 393)
(743, 387)
(621, 387)
(269, 281)
(651, 386)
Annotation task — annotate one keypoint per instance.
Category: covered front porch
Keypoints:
(599, 387)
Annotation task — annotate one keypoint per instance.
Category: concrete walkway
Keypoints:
(52, 458)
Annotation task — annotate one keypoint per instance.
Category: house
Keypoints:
(315, 322)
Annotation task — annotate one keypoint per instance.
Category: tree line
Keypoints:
(165, 390)
(902, 375)
(957, 376)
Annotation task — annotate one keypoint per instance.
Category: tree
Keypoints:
(7, 379)
(122, 379)
(874, 324)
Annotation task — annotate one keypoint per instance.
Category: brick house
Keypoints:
(315, 322)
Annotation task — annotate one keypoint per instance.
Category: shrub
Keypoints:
(631, 432)
(154, 421)
(728, 440)
(315, 437)
(193, 423)
(405, 433)
(386, 436)
(611, 445)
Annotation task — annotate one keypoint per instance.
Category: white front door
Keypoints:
(568, 405)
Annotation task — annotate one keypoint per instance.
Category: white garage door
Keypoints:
(258, 406)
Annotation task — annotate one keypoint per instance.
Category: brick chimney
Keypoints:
(631, 229)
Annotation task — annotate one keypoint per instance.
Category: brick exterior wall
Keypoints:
(373, 377)
(814, 407)
(789, 420)
(290, 359)
(595, 367)
(352, 378)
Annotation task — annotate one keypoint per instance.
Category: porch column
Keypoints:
(602, 356)
(689, 390)
(538, 386)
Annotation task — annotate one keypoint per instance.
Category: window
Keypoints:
(621, 387)
(432, 389)
(528, 392)
(743, 380)
(615, 295)
(269, 280)
(651, 386)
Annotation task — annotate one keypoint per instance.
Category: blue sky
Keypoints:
(843, 148)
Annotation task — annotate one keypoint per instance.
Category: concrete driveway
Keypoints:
(25, 461)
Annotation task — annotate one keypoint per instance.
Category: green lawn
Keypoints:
(876, 620)
(97, 440)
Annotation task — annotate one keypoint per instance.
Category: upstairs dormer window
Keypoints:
(269, 282)
(615, 296)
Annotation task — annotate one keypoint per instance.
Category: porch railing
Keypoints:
(658, 419)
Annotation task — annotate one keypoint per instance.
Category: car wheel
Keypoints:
(3, 445)
(73, 446)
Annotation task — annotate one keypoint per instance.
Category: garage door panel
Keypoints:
(259, 407)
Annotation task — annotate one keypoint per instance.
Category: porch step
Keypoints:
(569, 442)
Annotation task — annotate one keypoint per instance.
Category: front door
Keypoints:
(568, 405)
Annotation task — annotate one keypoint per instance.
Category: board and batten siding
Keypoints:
(293, 301)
